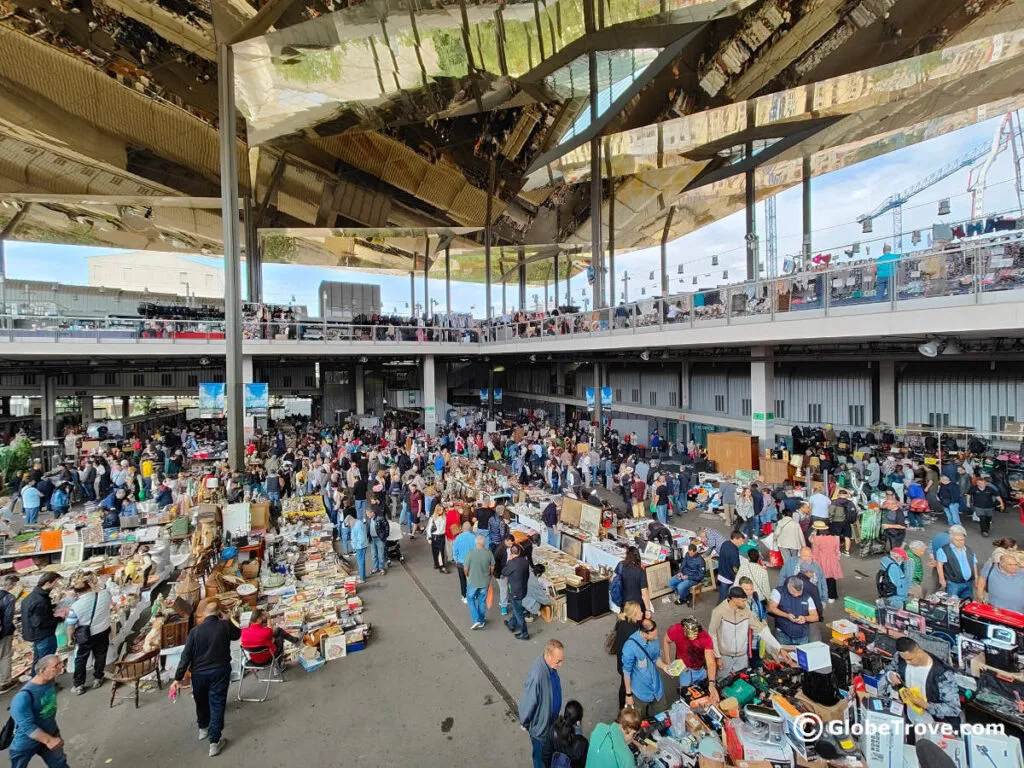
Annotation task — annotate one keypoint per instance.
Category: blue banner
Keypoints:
(606, 397)
(497, 395)
(211, 398)
(483, 395)
(257, 398)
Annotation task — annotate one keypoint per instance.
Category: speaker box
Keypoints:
(599, 598)
(578, 607)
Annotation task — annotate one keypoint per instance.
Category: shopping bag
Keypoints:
(490, 595)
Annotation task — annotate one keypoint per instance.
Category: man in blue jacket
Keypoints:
(641, 660)
(892, 565)
(360, 543)
(691, 573)
(541, 701)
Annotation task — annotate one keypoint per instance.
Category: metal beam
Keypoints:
(264, 19)
(595, 163)
(806, 200)
(448, 279)
(487, 229)
(611, 226)
(275, 179)
(664, 59)
(145, 201)
(664, 250)
(234, 399)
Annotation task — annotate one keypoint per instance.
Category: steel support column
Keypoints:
(448, 279)
(253, 257)
(487, 233)
(412, 294)
(664, 252)
(611, 228)
(805, 187)
(556, 280)
(751, 202)
(598, 415)
(234, 401)
(522, 282)
(596, 253)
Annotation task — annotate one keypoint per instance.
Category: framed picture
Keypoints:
(72, 552)
(590, 519)
(334, 647)
(658, 575)
(572, 546)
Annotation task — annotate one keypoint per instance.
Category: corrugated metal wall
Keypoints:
(834, 387)
(970, 393)
(730, 380)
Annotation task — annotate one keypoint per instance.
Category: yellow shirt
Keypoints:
(147, 468)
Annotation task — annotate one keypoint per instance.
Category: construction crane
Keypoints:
(895, 202)
(1008, 135)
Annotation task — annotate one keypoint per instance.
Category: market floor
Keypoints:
(426, 692)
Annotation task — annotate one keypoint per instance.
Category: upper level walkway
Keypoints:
(975, 289)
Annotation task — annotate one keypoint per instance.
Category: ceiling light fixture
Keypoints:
(645, 355)
(930, 348)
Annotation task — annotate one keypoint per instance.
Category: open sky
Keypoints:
(838, 199)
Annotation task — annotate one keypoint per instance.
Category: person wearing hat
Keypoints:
(893, 571)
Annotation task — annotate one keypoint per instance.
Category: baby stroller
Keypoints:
(393, 546)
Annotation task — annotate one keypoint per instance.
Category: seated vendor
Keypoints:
(259, 639)
(112, 507)
(924, 683)
(694, 647)
(691, 573)
(163, 495)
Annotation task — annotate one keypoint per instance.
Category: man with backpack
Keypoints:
(34, 719)
(842, 514)
(891, 580)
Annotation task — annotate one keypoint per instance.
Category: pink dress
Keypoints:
(826, 554)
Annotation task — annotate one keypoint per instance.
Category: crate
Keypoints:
(174, 633)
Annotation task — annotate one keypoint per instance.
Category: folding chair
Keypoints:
(272, 670)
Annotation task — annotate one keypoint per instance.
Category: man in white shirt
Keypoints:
(89, 627)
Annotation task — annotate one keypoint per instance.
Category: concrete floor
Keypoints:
(426, 692)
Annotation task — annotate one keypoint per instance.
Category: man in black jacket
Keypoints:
(38, 619)
(9, 589)
(517, 571)
(207, 654)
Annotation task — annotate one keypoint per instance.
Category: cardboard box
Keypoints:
(827, 714)
(259, 515)
(813, 657)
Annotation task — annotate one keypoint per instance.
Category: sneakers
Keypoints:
(530, 618)
(504, 610)
(98, 682)
(465, 601)
(217, 747)
(78, 690)
(522, 637)
(203, 733)
(477, 625)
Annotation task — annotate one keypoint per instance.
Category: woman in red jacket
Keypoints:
(259, 635)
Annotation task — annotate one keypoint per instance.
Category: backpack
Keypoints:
(560, 760)
(883, 584)
(615, 588)
(7, 732)
(836, 514)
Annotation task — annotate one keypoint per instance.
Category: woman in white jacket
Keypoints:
(789, 538)
(435, 533)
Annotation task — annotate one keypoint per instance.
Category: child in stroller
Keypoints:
(393, 546)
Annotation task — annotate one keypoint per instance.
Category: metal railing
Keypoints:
(928, 278)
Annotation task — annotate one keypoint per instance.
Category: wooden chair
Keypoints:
(710, 581)
(128, 671)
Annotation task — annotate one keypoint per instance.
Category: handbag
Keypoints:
(609, 642)
(82, 632)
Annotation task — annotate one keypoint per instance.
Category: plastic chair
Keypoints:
(272, 668)
(129, 671)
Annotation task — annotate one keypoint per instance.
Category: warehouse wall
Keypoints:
(960, 394)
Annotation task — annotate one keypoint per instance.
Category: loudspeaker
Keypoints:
(578, 607)
(599, 598)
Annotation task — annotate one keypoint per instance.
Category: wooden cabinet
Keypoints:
(733, 450)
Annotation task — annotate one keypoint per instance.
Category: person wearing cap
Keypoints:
(957, 565)
(733, 628)
(893, 566)
(983, 500)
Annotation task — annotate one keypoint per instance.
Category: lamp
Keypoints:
(929, 348)
(645, 355)
(952, 348)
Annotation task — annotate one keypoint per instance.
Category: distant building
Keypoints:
(157, 273)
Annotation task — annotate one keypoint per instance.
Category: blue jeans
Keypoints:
(593, 475)
(210, 693)
(538, 752)
(518, 621)
(952, 513)
(723, 590)
(881, 288)
(379, 552)
(41, 648)
(964, 589)
(477, 599)
(360, 509)
(785, 639)
(662, 512)
(361, 561)
(31, 515)
(681, 586)
(692, 677)
(345, 534)
(553, 538)
(679, 502)
(22, 754)
(915, 519)
(275, 502)
(405, 518)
